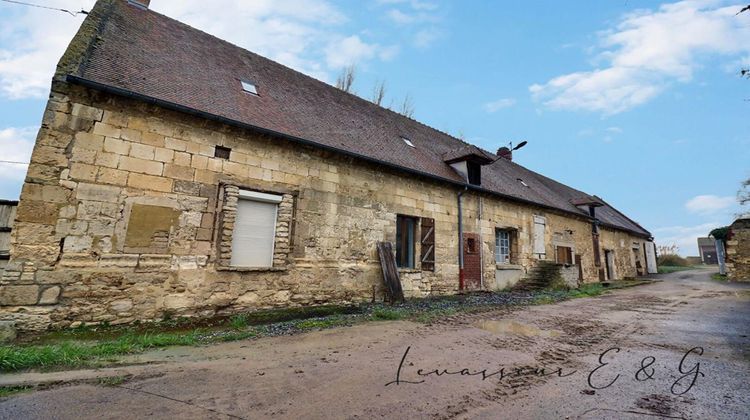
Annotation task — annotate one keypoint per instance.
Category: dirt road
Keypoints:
(641, 334)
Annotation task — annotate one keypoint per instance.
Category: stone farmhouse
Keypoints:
(177, 174)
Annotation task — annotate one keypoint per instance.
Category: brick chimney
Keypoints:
(142, 4)
(505, 153)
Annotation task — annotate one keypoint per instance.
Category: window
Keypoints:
(471, 246)
(408, 142)
(502, 246)
(222, 152)
(249, 87)
(406, 228)
(564, 255)
(474, 173)
(427, 232)
(254, 229)
(539, 245)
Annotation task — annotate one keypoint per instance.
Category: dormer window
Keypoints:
(468, 161)
(474, 173)
(249, 87)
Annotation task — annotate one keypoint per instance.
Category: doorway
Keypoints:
(609, 261)
(472, 262)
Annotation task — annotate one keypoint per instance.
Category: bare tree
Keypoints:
(407, 107)
(378, 92)
(743, 195)
(346, 78)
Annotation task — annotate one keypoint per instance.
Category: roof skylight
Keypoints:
(249, 87)
(522, 183)
(408, 142)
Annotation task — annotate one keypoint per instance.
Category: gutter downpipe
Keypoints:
(461, 240)
(481, 245)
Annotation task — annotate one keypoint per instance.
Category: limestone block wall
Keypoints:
(622, 244)
(738, 251)
(126, 214)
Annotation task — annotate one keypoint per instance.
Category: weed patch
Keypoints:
(8, 391)
(666, 269)
(112, 380)
(386, 314)
(719, 277)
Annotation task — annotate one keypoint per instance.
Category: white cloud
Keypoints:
(499, 104)
(31, 42)
(708, 204)
(426, 37)
(685, 237)
(415, 4)
(399, 17)
(16, 144)
(645, 52)
(419, 17)
(351, 50)
(297, 33)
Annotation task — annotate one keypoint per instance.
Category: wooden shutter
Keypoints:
(427, 232)
(564, 255)
(539, 247)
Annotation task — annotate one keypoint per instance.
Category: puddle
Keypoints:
(515, 328)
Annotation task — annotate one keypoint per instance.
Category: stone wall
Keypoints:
(738, 251)
(7, 216)
(126, 214)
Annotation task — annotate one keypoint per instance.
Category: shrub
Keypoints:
(673, 260)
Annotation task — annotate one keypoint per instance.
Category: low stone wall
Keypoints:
(738, 251)
(569, 275)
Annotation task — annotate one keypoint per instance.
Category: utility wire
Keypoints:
(14, 162)
(83, 12)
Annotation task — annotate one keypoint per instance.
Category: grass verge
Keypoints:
(7, 391)
(666, 269)
(98, 346)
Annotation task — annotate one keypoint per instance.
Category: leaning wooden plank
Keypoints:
(390, 272)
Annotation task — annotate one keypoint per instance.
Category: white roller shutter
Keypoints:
(539, 225)
(254, 229)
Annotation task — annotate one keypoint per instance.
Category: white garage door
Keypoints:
(254, 230)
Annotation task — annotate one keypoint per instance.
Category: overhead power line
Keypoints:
(82, 12)
(14, 162)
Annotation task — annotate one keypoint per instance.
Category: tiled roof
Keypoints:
(149, 55)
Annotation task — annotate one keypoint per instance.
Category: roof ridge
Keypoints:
(623, 215)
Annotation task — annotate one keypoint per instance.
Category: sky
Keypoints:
(639, 102)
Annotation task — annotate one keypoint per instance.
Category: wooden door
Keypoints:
(472, 262)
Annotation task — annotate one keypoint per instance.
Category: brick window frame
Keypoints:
(230, 194)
